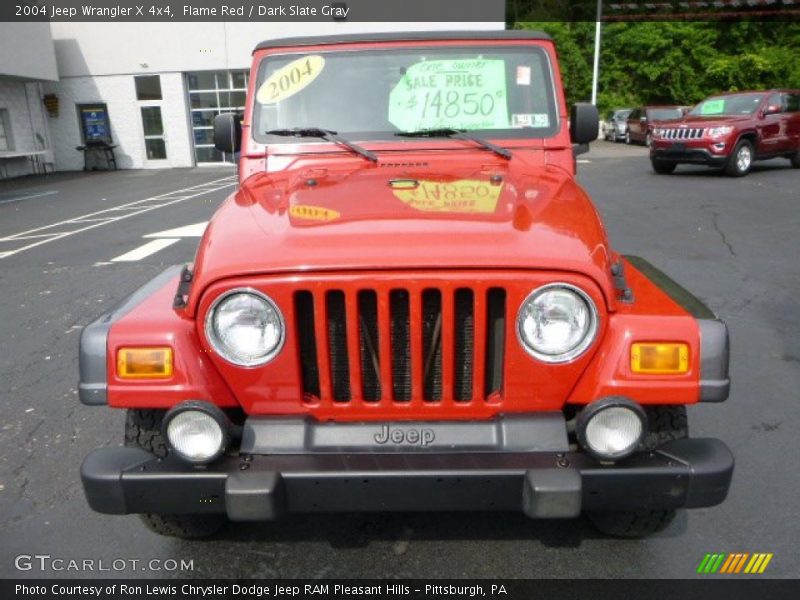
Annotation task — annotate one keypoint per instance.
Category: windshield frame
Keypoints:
(522, 133)
(763, 96)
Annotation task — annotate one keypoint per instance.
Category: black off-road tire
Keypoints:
(185, 527)
(796, 160)
(666, 423)
(143, 430)
(663, 167)
(733, 168)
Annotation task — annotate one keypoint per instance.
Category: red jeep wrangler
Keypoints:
(731, 131)
(408, 304)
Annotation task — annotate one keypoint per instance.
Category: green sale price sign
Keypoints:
(463, 94)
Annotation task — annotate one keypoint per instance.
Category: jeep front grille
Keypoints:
(401, 346)
(683, 134)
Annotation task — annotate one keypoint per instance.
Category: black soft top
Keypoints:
(399, 36)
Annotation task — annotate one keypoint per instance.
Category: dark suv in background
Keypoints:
(731, 131)
(642, 120)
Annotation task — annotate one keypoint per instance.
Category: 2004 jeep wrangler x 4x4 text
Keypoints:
(408, 304)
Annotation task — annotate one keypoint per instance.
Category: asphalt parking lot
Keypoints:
(71, 245)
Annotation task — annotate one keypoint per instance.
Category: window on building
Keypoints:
(212, 93)
(5, 131)
(148, 87)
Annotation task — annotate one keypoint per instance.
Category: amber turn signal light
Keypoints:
(144, 363)
(660, 358)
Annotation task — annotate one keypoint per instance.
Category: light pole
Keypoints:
(596, 68)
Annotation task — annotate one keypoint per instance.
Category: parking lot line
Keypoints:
(194, 230)
(145, 250)
(28, 196)
(62, 229)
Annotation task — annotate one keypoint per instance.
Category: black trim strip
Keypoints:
(411, 36)
(690, 303)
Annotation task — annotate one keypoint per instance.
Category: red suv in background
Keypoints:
(642, 120)
(731, 131)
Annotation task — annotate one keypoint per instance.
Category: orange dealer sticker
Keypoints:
(462, 196)
(313, 213)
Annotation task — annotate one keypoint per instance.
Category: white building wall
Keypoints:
(97, 63)
(141, 48)
(26, 51)
(174, 112)
(28, 123)
(118, 92)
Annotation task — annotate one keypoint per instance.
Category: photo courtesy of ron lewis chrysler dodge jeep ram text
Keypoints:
(408, 304)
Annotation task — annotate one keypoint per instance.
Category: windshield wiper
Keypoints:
(325, 134)
(459, 134)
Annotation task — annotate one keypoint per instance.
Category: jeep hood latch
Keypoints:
(620, 283)
(184, 285)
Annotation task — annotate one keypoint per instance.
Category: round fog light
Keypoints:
(612, 428)
(196, 431)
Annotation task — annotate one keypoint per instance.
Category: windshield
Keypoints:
(736, 104)
(620, 115)
(664, 114)
(501, 92)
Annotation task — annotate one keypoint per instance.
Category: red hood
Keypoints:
(468, 210)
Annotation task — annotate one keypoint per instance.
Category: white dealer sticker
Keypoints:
(530, 120)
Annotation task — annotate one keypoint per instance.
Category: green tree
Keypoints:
(663, 62)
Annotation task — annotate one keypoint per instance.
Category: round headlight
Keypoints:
(557, 322)
(611, 428)
(196, 431)
(245, 327)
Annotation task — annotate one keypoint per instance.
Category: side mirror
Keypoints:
(227, 133)
(583, 123)
(772, 109)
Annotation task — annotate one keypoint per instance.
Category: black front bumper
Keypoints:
(687, 473)
(686, 154)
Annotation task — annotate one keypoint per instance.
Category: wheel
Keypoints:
(740, 160)
(143, 430)
(666, 423)
(663, 167)
(648, 139)
(632, 524)
(627, 137)
(796, 160)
